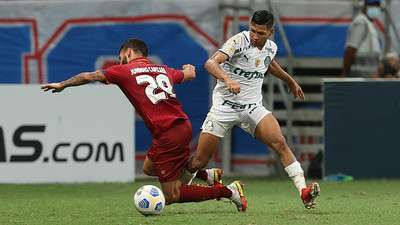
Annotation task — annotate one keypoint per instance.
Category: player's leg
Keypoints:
(207, 145)
(212, 176)
(212, 131)
(171, 191)
(260, 123)
(170, 158)
(176, 192)
(269, 132)
(148, 167)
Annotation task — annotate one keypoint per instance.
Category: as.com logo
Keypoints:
(61, 152)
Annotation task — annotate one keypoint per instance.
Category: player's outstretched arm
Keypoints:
(276, 70)
(213, 67)
(80, 79)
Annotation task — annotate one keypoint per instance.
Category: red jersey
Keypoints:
(149, 87)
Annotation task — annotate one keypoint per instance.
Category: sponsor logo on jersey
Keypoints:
(247, 74)
(235, 105)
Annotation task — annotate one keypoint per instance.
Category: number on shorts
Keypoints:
(159, 82)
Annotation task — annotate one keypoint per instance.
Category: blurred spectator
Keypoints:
(389, 66)
(362, 51)
(315, 167)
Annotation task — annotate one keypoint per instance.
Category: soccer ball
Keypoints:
(149, 200)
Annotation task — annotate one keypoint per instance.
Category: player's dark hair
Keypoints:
(263, 17)
(136, 45)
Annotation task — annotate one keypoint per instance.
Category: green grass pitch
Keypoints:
(270, 201)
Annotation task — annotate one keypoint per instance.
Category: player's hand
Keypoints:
(55, 87)
(296, 90)
(188, 67)
(233, 85)
(189, 72)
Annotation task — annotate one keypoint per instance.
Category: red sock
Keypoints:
(196, 193)
(201, 174)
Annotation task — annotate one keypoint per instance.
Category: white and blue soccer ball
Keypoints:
(149, 200)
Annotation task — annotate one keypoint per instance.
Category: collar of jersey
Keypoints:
(140, 59)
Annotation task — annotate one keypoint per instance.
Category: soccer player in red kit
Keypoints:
(149, 88)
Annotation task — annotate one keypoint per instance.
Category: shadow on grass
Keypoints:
(316, 212)
(220, 211)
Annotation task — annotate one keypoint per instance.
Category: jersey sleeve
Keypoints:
(113, 74)
(272, 49)
(175, 75)
(356, 33)
(232, 45)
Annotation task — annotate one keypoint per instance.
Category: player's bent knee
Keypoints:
(148, 172)
(148, 168)
(279, 145)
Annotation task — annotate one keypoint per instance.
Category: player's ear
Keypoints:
(129, 53)
(271, 31)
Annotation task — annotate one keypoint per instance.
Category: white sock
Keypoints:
(296, 173)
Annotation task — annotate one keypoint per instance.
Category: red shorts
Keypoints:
(170, 151)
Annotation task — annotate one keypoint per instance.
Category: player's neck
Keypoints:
(260, 47)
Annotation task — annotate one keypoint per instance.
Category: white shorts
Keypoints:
(220, 120)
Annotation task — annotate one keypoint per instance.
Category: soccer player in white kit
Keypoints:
(239, 67)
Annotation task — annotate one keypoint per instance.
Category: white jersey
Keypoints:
(247, 65)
